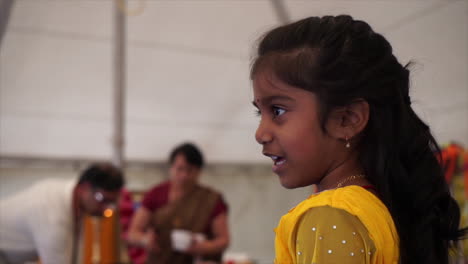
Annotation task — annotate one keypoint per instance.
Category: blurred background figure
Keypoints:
(180, 220)
(43, 221)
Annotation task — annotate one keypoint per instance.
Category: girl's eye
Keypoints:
(277, 111)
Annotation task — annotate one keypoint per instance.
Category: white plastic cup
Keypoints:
(181, 239)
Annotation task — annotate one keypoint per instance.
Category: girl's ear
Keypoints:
(347, 122)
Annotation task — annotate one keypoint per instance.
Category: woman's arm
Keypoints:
(138, 233)
(219, 243)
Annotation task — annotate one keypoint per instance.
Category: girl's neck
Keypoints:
(341, 173)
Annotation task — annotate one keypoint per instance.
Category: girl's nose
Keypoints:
(263, 134)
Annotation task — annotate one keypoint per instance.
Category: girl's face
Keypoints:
(290, 132)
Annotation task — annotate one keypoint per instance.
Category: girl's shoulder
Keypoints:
(350, 206)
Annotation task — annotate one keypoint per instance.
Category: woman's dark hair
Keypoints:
(191, 153)
(103, 176)
(342, 60)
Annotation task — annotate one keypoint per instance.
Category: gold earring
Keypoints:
(348, 145)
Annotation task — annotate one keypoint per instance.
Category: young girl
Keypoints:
(335, 111)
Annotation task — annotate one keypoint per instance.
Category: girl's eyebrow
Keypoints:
(269, 99)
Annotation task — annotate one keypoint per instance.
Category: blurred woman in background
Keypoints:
(181, 204)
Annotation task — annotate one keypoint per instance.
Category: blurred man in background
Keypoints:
(43, 221)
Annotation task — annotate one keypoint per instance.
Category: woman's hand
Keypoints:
(198, 245)
(150, 241)
(216, 245)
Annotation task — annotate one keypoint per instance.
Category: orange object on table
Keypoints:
(101, 239)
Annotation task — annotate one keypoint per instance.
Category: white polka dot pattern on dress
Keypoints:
(340, 245)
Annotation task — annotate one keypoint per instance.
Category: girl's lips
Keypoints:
(278, 164)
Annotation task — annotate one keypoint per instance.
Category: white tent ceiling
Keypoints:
(188, 64)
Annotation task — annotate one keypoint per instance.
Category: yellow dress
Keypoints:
(344, 225)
